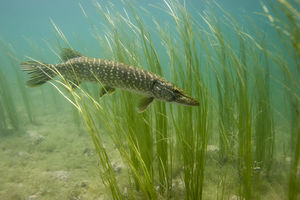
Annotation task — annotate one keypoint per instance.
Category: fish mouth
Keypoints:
(186, 100)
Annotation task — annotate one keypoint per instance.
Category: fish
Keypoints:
(76, 68)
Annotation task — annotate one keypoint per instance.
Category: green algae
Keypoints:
(226, 148)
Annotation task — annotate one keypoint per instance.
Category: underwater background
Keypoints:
(239, 58)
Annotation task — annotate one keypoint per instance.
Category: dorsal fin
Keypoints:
(68, 53)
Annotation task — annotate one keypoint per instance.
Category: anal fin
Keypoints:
(106, 90)
(144, 103)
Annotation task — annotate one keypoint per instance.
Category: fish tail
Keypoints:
(40, 72)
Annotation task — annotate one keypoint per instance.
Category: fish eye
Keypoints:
(177, 91)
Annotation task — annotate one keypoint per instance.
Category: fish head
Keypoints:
(179, 96)
(168, 92)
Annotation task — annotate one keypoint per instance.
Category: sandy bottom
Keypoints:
(55, 159)
(52, 160)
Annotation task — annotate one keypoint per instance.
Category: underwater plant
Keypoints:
(9, 115)
(284, 17)
(165, 148)
(11, 54)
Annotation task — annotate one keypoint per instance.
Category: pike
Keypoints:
(76, 68)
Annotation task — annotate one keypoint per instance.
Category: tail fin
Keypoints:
(40, 72)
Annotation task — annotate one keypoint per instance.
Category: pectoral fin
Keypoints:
(144, 103)
(106, 90)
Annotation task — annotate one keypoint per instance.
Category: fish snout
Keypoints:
(186, 100)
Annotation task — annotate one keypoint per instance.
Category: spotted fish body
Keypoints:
(111, 75)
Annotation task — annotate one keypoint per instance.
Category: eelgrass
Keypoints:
(285, 20)
(233, 98)
(225, 89)
(143, 130)
(168, 142)
(3, 124)
(191, 135)
(76, 117)
(14, 64)
(133, 155)
(138, 155)
(264, 122)
(8, 103)
(23, 90)
(294, 182)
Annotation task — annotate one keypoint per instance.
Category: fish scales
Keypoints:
(76, 68)
(111, 73)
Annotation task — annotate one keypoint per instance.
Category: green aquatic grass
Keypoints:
(233, 99)
(25, 95)
(264, 122)
(225, 89)
(193, 133)
(140, 135)
(21, 85)
(244, 116)
(76, 117)
(82, 106)
(157, 126)
(3, 124)
(244, 124)
(9, 115)
(167, 144)
(160, 121)
(294, 182)
(121, 132)
(285, 20)
(13, 61)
